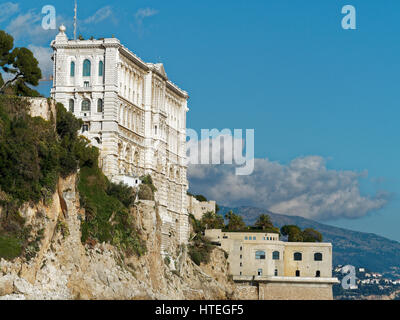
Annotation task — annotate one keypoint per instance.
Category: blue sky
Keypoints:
(310, 89)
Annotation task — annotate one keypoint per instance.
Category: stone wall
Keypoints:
(42, 107)
(282, 291)
(294, 291)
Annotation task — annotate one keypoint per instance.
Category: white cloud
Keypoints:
(28, 26)
(7, 9)
(143, 13)
(140, 15)
(304, 187)
(99, 15)
(43, 55)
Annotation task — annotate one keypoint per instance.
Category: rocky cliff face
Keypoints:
(64, 268)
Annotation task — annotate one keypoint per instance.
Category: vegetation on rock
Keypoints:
(34, 153)
(107, 219)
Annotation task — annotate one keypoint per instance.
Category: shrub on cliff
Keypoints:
(122, 192)
(199, 247)
(33, 154)
(107, 218)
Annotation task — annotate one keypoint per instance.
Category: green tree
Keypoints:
(312, 235)
(21, 65)
(211, 220)
(235, 222)
(293, 233)
(264, 222)
(201, 198)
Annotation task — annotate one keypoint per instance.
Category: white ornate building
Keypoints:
(133, 114)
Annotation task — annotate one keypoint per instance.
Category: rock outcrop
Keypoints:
(64, 268)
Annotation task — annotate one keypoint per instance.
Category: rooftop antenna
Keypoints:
(75, 18)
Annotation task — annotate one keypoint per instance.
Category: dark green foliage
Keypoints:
(311, 235)
(21, 65)
(235, 222)
(295, 234)
(107, 219)
(145, 192)
(201, 198)
(74, 150)
(211, 220)
(10, 247)
(148, 180)
(28, 153)
(147, 188)
(33, 154)
(199, 248)
(196, 224)
(122, 192)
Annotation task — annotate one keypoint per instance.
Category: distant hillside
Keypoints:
(349, 247)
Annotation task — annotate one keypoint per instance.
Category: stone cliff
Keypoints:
(64, 268)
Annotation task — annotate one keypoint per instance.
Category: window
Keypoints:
(86, 105)
(86, 68)
(318, 256)
(318, 274)
(245, 238)
(241, 264)
(298, 256)
(86, 84)
(276, 273)
(254, 238)
(259, 272)
(297, 273)
(100, 105)
(241, 256)
(72, 69)
(85, 127)
(101, 68)
(260, 255)
(71, 105)
(241, 248)
(275, 255)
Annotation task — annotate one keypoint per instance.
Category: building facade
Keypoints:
(282, 267)
(199, 208)
(133, 113)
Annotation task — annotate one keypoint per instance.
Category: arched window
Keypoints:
(86, 105)
(260, 255)
(71, 105)
(318, 256)
(275, 255)
(318, 274)
(276, 273)
(298, 256)
(72, 69)
(86, 68)
(297, 273)
(101, 68)
(100, 105)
